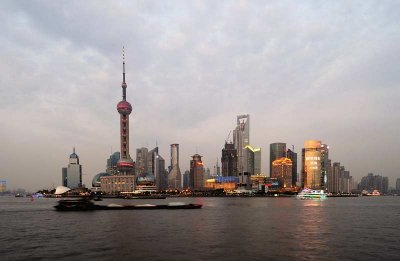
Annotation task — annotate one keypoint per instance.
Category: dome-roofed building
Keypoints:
(96, 179)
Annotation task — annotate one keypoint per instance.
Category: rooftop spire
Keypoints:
(123, 74)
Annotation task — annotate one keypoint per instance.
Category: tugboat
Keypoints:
(86, 205)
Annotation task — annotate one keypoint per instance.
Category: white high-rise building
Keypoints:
(174, 176)
(241, 138)
(72, 175)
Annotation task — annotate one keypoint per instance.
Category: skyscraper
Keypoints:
(174, 176)
(229, 160)
(196, 172)
(325, 165)
(72, 175)
(334, 178)
(125, 164)
(282, 170)
(276, 150)
(253, 160)
(293, 157)
(241, 138)
(141, 164)
(311, 164)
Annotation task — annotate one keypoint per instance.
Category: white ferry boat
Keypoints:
(312, 194)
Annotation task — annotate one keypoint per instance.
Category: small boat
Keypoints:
(312, 194)
(87, 205)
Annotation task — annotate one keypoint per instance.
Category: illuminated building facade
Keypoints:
(311, 164)
(72, 175)
(229, 160)
(282, 170)
(241, 138)
(196, 173)
(175, 176)
(258, 182)
(225, 183)
(276, 150)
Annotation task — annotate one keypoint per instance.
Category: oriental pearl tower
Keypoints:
(125, 164)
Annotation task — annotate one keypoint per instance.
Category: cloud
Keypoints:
(315, 70)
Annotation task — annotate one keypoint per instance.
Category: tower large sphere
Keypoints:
(124, 107)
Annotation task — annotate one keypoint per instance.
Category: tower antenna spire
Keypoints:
(123, 75)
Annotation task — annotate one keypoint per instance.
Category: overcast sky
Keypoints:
(327, 70)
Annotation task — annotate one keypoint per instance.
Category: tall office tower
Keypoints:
(229, 160)
(329, 175)
(241, 138)
(311, 167)
(151, 162)
(342, 179)
(334, 179)
(155, 170)
(276, 150)
(175, 177)
(186, 179)
(125, 163)
(162, 174)
(253, 160)
(282, 170)
(141, 164)
(72, 175)
(196, 178)
(324, 165)
(346, 182)
(293, 157)
(112, 163)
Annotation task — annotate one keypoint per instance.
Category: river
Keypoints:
(363, 228)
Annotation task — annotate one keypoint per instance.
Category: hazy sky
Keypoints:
(327, 70)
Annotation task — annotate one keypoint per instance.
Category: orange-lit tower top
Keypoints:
(125, 164)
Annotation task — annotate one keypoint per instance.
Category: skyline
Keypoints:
(324, 71)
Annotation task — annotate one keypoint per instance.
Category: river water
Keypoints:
(363, 228)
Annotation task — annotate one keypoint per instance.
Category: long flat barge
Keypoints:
(87, 205)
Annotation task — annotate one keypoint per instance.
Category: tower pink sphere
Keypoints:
(124, 107)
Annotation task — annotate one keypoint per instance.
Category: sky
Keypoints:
(325, 70)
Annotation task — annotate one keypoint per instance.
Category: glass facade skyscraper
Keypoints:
(276, 150)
